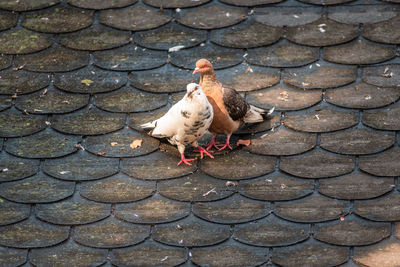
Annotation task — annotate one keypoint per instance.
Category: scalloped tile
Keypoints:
(155, 166)
(238, 165)
(73, 211)
(195, 187)
(22, 82)
(364, 14)
(322, 32)
(356, 186)
(58, 19)
(101, 4)
(10, 257)
(250, 3)
(359, 52)
(5, 102)
(326, 2)
(383, 75)
(220, 57)
(5, 62)
(143, 211)
(90, 80)
(362, 96)
(234, 209)
(22, 41)
(39, 188)
(45, 144)
(181, 233)
(287, 16)
(383, 119)
(175, 3)
(212, 16)
(383, 32)
(68, 254)
(312, 209)
(95, 38)
(7, 20)
(26, 5)
(319, 120)
(13, 168)
(54, 59)
(88, 122)
(110, 233)
(129, 57)
(271, 231)
(383, 164)
(12, 212)
(81, 166)
(352, 231)
(134, 18)
(51, 101)
(14, 123)
(384, 254)
(117, 188)
(169, 36)
(380, 209)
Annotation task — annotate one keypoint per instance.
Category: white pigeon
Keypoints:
(185, 122)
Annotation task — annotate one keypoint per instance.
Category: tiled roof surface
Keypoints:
(318, 186)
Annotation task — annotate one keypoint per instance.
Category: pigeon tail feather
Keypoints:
(149, 125)
(255, 114)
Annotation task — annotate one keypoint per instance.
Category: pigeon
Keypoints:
(185, 122)
(231, 110)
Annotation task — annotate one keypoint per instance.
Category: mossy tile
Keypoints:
(246, 35)
(15, 124)
(384, 253)
(312, 209)
(7, 20)
(382, 75)
(10, 257)
(5, 61)
(22, 41)
(117, 188)
(134, 18)
(170, 36)
(356, 186)
(81, 166)
(68, 254)
(245, 78)
(51, 101)
(137, 119)
(167, 79)
(287, 16)
(181, 233)
(54, 59)
(13, 212)
(148, 254)
(90, 80)
(128, 99)
(22, 82)
(234, 209)
(383, 32)
(32, 233)
(276, 187)
(322, 32)
(110, 233)
(58, 20)
(383, 119)
(26, 5)
(120, 144)
(95, 38)
(45, 144)
(195, 187)
(220, 57)
(381, 209)
(101, 4)
(13, 168)
(5, 102)
(383, 164)
(88, 122)
(129, 57)
(271, 231)
(250, 3)
(39, 188)
(238, 165)
(212, 16)
(73, 211)
(155, 166)
(282, 54)
(175, 3)
(143, 211)
(364, 14)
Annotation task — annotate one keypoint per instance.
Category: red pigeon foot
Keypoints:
(226, 144)
(202, 151)
(212, 144)
(185, 160)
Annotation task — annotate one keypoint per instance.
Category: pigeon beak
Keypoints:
(196, 70)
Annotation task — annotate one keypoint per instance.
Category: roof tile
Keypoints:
(7, 20)
(25, 5)
(5, 61)
(383, 32)
(383, 119)
(361, 14)
(5, 102)
(381, 209)
(14, 168)
(101, 4)
(287, 16)
(326, 2)
(22, 82)
(250, 3)
(10, 257)
(14, 123)
(175, 3)
(22, 41)
(12, 212)
(383, 164)
(383, 254)
(382, 75)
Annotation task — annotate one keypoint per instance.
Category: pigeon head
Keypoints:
(191, 88)
(203, 66)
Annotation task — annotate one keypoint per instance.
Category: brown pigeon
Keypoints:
(230, 109)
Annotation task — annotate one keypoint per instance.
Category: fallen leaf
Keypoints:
(243, 142)
(87, 82)
(114, 143)
(341, 218)
(101, 153)
(136, 143)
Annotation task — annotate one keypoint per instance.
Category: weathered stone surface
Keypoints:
(110, 233)
(26, 5)
(14, 123)
(326, 2)
(22, 41)
(195, 187)
(143, 211)
(355, 186)
(5, 102)
(384, 119)
(250, 3)
(32, 233)
(380, 209)
(312, 209)
(383, 75)
(383, 254)
(383, 32)
(45, 144)
(10, 257)
(5, 62)
(365, 14)
(287, 16)
(100, 4)
(238, 165)
(7, 20)
(22, 82)
(12, 168)
(81, 166)
(12, 212)
(383, 164)
(175, 3)
(116, 189)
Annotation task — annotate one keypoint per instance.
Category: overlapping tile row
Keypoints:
(318, 185)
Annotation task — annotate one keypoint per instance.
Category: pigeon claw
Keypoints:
(227, 145)
(185, 160)
(203, 151)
